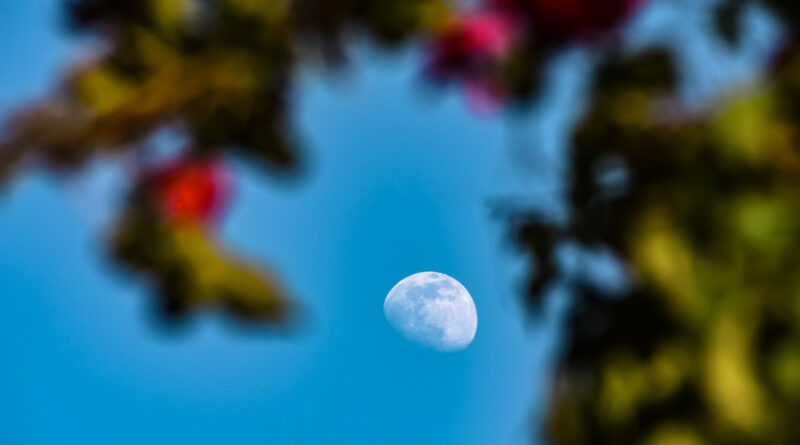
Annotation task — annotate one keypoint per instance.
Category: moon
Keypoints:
(433, 309)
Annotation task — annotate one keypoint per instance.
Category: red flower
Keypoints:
(191, 191)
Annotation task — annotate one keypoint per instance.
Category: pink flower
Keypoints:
(471, 43)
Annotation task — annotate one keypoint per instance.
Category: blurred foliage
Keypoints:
(191, 271)
(701, 207)
(165, 233)
(705, 347)
(219, 73)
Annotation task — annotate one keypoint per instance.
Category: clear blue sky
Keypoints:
(398, 185)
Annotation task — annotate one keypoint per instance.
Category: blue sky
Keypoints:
(398, 184)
